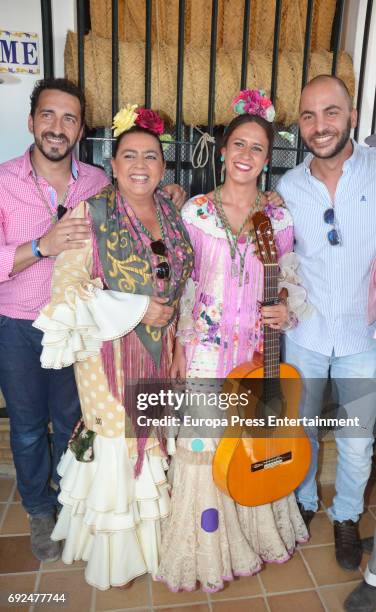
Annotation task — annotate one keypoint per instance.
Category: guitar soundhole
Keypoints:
(271, 462)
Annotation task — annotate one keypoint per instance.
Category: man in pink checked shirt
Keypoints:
(33, 188)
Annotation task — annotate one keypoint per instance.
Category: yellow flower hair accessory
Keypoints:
(125, 119)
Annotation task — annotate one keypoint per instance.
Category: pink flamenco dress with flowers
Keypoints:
(208, 538)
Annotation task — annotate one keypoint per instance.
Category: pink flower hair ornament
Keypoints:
(254, 102)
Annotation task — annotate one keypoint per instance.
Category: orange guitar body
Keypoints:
(279, 463)
(257, 461)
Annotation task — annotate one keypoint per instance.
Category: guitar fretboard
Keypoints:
(271, 336)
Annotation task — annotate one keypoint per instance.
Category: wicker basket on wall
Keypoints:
(165, 13)
(196, 78)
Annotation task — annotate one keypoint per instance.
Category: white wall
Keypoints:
(354, 25)
(63, 19)
(24, 16)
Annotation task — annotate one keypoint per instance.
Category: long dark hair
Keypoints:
(136, 129)
(246, 118)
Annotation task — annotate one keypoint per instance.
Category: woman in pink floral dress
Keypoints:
(208, 538)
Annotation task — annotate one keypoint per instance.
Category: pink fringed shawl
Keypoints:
(136, 365)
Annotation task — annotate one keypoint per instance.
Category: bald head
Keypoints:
(326, 116)
(328, 81)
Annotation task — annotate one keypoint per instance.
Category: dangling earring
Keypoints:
(223, 169)
(263, 177)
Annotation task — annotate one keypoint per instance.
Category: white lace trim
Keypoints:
(208, 225)
(280, 224)
(77, 327)
(297, 295)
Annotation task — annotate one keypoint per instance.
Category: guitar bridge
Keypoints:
(271, 462)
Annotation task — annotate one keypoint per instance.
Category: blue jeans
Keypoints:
(354, 445)
(34, 397)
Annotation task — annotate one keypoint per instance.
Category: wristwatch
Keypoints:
(36, 250)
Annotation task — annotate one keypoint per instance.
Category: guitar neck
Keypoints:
(271, 336)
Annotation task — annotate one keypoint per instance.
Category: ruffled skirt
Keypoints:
(109, 518)
(209, 539)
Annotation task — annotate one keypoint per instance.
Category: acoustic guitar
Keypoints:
(257, 462)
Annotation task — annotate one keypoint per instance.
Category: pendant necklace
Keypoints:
(234, 239)
(54, 217)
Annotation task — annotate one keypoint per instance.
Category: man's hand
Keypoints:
(65, 235)
(177, 194)
(157, 314)
(274, 198)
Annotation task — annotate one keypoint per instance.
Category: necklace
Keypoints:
(54, 216)
(233, 239)
(146, 231)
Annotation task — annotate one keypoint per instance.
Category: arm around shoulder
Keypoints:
(81, 314)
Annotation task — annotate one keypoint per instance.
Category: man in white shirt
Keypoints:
(332, 198)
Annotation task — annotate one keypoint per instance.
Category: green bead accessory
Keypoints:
(233, 239)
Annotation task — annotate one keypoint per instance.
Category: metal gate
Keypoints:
(96, 146)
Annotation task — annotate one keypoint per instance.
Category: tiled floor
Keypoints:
(311, 581)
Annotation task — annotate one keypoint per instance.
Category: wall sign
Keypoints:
(19, 52)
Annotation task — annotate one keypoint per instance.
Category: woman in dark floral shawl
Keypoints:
(112, 314)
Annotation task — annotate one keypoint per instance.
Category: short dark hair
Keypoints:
(136, 129)
(61, 85)
(246, 118)
(331, 77)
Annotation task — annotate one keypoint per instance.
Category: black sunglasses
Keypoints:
(61, 210)
(333, 234)
(163, 270)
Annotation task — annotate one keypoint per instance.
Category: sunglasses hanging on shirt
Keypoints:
(162, 270)
(333, 234)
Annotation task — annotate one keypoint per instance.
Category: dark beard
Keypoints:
(54, 155)
(344, 138)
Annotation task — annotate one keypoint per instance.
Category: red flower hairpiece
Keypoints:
(149, 120)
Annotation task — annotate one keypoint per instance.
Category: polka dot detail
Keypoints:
(197, 445)
(209, 520)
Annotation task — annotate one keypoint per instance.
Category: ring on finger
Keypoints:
(68, 238)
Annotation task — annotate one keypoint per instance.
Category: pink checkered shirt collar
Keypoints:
(26, 168)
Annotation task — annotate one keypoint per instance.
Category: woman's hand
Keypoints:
(177, 194)
(275, 316)
(274, 198)
(178, 366)
(157, 314)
